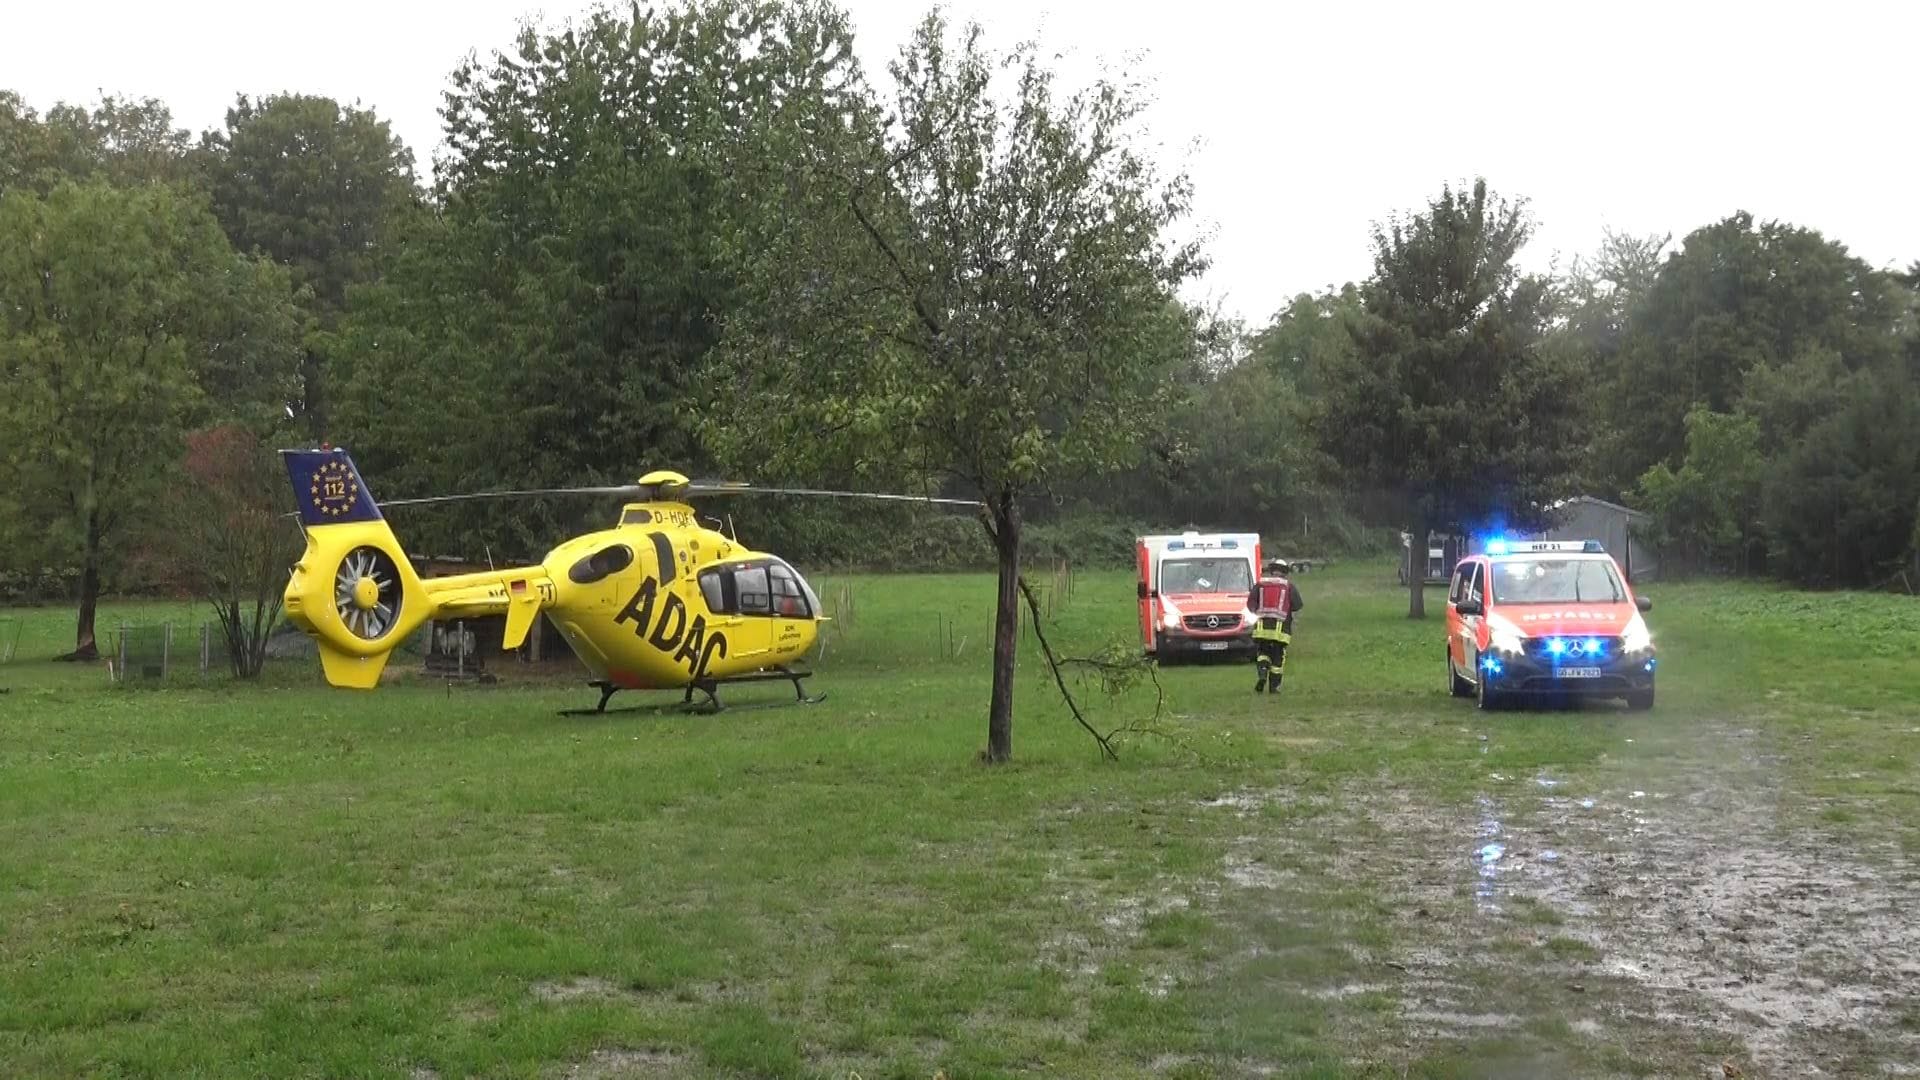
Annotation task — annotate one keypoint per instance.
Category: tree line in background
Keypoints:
(698, 237)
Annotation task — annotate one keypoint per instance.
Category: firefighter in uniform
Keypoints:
(1273, 601)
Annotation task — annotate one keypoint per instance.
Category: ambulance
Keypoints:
(1193, 593)
(1550, 618)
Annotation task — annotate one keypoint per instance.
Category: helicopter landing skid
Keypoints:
(711, 688)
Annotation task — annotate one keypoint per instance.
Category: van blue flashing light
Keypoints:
(1176, 545)
(1502, 546)
(1491, 664)
(1229, 543)
(1582, 647)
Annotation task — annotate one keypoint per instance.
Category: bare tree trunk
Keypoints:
(1006, 631)
(85, 647)
(1417, 567)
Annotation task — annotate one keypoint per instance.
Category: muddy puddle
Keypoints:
(1718, 913)
(1680, 910)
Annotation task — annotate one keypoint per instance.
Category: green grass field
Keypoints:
(1362, 877)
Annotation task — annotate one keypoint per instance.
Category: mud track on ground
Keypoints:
(1681, 907)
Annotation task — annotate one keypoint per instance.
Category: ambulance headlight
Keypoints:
(1170, 621)
(1505, 636)
(1636, 637)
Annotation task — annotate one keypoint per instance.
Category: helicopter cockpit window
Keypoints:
(789, 599)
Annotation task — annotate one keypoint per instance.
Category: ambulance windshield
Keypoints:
(1538, 581)
(1221, 575)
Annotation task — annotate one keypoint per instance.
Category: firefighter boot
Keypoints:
(1279, 671)
(1264, 667)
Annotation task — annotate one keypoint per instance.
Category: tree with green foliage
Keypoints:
(316, 187)
(1236, 449)
(1449, 404)
(1598, 295)
(233, 540)
(122, 312)
(1736, 297)
(1840, 501)
(120, 141)
(1706, 513)
(1311, 335)
(549, 322)
(983, 295)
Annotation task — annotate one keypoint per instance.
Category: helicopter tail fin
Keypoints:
(354, 589)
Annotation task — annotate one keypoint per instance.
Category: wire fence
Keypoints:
(147, 653)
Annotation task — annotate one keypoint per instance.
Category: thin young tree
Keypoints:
(978, 291)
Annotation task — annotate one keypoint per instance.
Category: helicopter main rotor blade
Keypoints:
(650, 492)
(627, 490)
(718, 488)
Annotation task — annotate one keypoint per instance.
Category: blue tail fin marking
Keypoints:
(328, 488)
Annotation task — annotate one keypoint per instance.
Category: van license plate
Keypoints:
(1579, 672)
(1216, 646)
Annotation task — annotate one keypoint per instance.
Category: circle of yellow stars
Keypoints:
(335, 505)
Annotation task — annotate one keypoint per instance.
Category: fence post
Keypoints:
(460, 648)
(166, 647)
(206, 643)
(120, 647)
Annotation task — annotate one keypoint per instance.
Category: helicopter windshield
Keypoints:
(793, 589)
(764, 586)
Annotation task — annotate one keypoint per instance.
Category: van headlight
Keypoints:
(1505, 637)
(1636, 637)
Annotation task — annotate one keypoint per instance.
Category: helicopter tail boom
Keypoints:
(517, 593)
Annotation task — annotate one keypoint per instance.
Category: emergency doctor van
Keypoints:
(1193, 593)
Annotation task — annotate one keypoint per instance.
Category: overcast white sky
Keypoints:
(1311, 119)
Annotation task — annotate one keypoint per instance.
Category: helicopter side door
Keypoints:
(792, 608)
(740, 598)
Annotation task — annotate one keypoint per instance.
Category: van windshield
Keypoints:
(1566, 581)
(1221, 575)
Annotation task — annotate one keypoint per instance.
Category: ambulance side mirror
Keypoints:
(1143, 590)
(1468, 607)
(1643, 603)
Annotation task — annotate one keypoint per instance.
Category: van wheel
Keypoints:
(1486, 696)
(1457, 686)
(1641, 701)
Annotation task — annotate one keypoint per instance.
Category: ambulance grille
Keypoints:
(1212, 622)
(1574, 648)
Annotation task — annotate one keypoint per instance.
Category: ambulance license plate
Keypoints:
(1579, 672)
(1217, 646)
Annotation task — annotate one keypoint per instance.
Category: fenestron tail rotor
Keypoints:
(367, 593)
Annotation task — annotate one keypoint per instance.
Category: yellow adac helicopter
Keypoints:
(657, 602)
